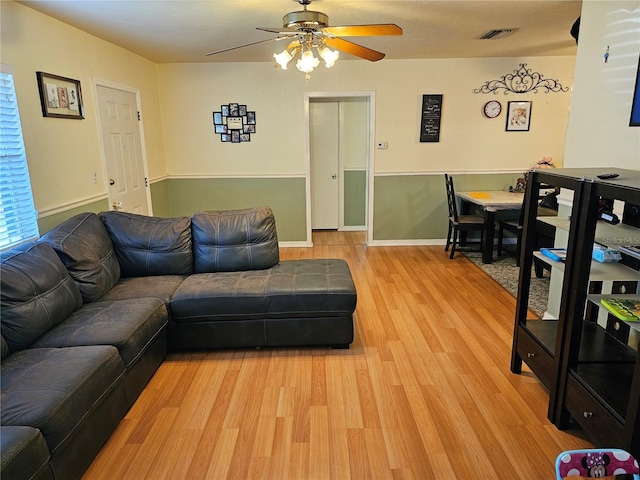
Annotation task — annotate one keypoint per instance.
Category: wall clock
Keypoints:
(492, 109)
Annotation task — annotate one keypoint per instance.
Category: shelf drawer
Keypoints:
(603, 428)
(536, 357)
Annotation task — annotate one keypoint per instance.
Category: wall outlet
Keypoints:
(382, 145)
(95, 177)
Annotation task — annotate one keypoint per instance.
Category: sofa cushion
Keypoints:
(150, 245)
(24, 454)
(292, 289)
(36, 293)
(56, 389)
(221, 296)
(234, 240)
(128, 325)
(84, 246)
(4, 347)
(311, 287)
(159, 286)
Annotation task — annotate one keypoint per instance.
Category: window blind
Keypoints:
(18, 217)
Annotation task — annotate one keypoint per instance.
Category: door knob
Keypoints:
(334, 176)
(112, 181)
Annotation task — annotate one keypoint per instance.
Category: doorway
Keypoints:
(122, 147)
(339, 158)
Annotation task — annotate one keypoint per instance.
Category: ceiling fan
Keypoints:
(309, 29)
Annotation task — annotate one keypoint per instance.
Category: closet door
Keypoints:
(324, 118)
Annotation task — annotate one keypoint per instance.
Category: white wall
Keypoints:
(63, 154)
(469, 142)
(178, 101)
(599, 133)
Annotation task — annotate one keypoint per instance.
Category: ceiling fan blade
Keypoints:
(353, 49)
(242, 46)
(364, 30)
(279, 30)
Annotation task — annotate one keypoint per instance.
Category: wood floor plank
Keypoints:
(424, 392)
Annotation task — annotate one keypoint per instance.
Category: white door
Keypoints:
(324, 123)
(122, 143)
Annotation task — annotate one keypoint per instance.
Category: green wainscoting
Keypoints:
(47, 223)
(406, 207)
(414, 207)
(285, 196)
(355, 198)
(160, 199)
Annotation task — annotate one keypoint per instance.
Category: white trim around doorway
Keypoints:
(308, 96)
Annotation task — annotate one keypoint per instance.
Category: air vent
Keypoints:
(496, 34)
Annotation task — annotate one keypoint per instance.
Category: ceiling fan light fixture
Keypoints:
(329, 56)
(307, 62)
(283, 58)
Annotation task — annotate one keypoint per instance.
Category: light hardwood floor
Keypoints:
(424, 392)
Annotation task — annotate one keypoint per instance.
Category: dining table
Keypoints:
(491, 202)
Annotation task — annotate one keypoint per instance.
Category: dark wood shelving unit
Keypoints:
(593, 377)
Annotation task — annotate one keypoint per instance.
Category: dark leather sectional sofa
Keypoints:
(89, 311)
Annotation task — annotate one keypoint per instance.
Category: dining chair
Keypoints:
(459, 223)
(513, 226)
(596, 462)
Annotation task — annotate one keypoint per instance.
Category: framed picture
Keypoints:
(518, 116)
(234, 123)
(60, 97)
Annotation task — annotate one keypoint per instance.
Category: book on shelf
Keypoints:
(557, 254)
(624, 308)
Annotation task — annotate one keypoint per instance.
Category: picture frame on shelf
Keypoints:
(518, 116)
(60, 97)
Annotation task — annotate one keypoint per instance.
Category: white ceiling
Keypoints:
(177, 31)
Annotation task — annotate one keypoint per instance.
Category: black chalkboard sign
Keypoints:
(430, 122)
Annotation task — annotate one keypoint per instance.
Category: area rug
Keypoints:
(504, 271)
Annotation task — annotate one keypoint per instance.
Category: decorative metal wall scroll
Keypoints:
(234, 123)
(522, 80)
